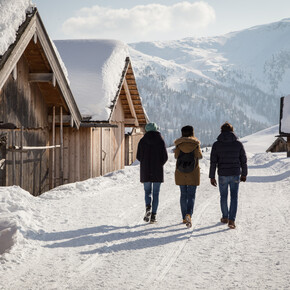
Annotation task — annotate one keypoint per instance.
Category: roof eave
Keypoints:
(32, 26)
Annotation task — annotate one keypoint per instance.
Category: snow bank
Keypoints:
(12, 15)
(94, 68)
(16, 207)
(285, 120)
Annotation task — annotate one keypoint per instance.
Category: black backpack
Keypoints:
(185, 162)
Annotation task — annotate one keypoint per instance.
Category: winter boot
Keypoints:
(232, 224)
(153, 218)
(188, 221)
(147, 213)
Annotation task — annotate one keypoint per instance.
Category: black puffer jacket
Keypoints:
(228, 155)
(152, 155)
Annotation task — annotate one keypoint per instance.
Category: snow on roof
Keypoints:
(94, 69)
(12, 15)
(285, 121)
(260, 141)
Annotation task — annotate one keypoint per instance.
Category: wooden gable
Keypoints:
(44, 67)
(130, 99)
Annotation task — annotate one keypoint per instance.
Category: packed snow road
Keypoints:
(91, 234)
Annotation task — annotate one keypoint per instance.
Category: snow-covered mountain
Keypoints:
(238, 77)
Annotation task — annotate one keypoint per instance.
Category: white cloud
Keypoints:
(140, 23)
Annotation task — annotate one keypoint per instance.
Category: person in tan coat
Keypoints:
(187, 172)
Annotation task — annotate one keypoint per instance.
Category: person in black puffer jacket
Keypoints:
(229, 157)
(152, 155)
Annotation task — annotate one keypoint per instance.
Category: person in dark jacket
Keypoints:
(189, 180)
(152, 155)
(229, 156)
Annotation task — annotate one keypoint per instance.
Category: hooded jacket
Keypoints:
(228, 155)
(186, 145)
(152, 155)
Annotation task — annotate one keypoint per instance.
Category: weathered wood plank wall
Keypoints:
(21, 103)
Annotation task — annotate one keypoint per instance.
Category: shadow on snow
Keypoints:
(269, 178)
(112, 238)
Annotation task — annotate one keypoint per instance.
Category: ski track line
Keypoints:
(171, 256)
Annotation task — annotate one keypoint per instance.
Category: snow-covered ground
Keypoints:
(90, 235)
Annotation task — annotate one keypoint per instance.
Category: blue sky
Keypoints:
(137, 20)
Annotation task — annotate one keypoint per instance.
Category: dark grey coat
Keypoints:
(152, 155)
(228, 155)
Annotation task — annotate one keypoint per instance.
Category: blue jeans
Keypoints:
(148, 193)
(187, 198)
(232, 182)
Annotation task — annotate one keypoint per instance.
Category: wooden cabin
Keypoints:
(54, 130)
(104, 87)
(36, 103)
(279, 145)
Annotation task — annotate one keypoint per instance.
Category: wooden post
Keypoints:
(40, 168)
(288, 146)
(21, 158)
(101, 151)
(13, 160)
(61, 146)
(53, 150)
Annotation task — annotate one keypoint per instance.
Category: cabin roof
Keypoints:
(276, 142)
(45, 67)
(100, 72)
(12, 15)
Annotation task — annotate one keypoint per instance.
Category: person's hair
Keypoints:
(227, 127)
(187, 131)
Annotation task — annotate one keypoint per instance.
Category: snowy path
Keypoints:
(90, 235)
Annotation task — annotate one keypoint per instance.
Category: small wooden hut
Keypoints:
(279, 145)
(35, 104)
(104, 86)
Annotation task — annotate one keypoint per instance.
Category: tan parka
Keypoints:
(188, 144)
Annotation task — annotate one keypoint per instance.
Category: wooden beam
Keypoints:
(21, 158)
(14, 73)
(41, 78)
(128, 95)
(130, 121)
(97, 125)
(35, 38)
(53, 151)
(13, 160)
(26, 148)
(61, 146)
(53, 80)
(65, 118)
